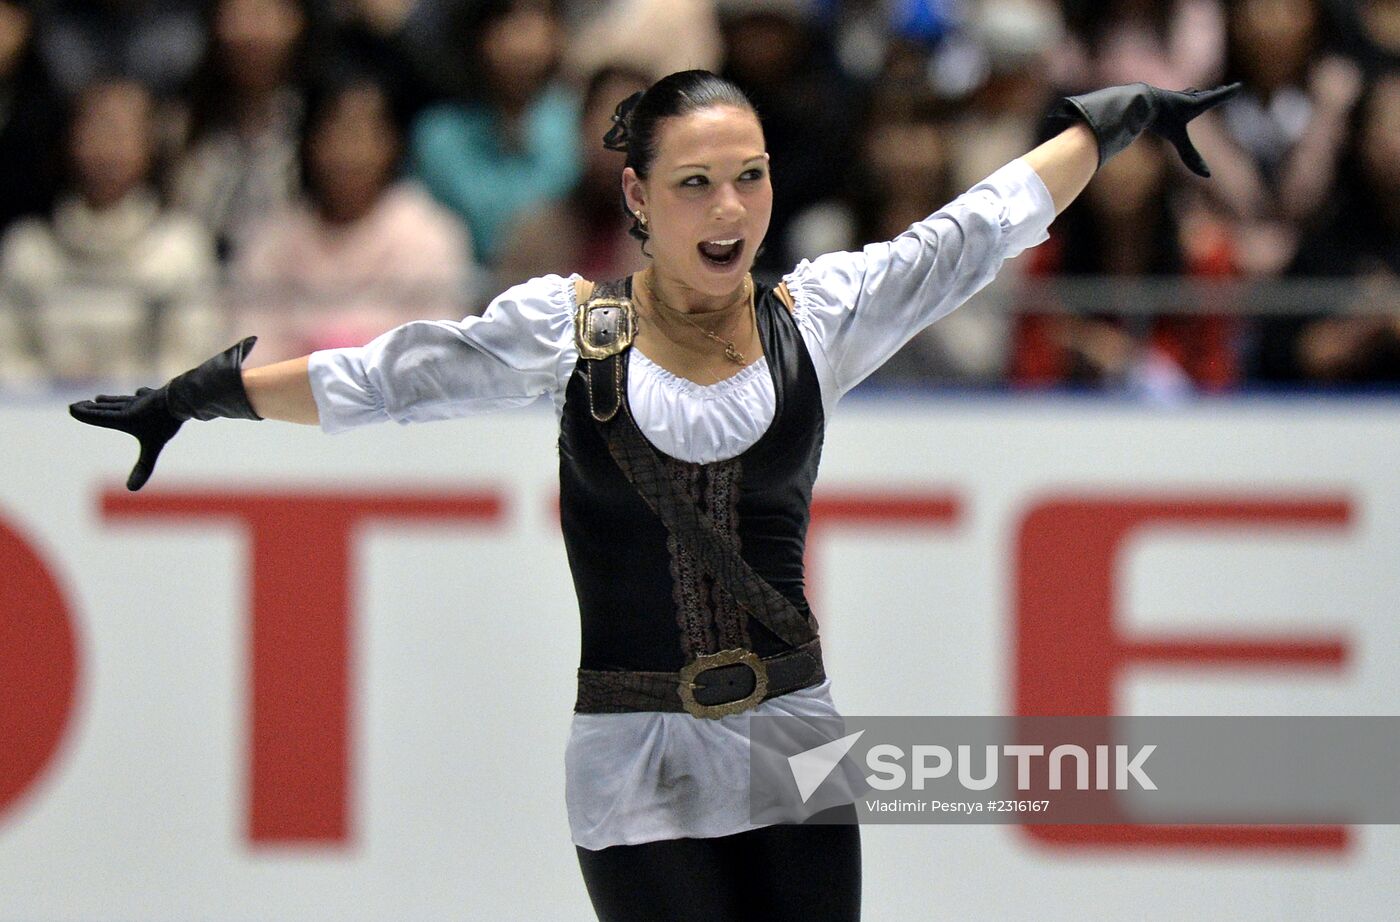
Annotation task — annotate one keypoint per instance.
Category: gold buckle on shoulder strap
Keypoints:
(604, 327)
(708, 661)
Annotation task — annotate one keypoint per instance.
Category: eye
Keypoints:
(752, 175)
(695, 182)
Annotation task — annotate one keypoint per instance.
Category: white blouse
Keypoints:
(672, 775)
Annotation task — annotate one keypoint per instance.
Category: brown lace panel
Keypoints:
(722, 505)
(688, 579)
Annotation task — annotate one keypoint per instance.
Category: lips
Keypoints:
(722, 252)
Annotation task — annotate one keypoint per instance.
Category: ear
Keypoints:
(634, 190)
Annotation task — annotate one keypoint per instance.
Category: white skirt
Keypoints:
(647, 776)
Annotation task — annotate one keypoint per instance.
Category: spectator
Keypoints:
(1003, 115)
(627, 30)
(405, 42)
(364, 253)
(1369, 32)
(904, 175)
(1124, 226)
(1006, 110)
(779, 57)
(112, 286)
(1167, 43)
(1273, 149)
(241, 160)
(30, 124)
(514, 141)
(156, 42)
(905, 149)
(868, 35)
(587, 229)
(1360, 238)
(909, 161)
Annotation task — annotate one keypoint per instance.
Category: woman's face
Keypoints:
(521, 49)
(908, 158)
(1380, 141)
(258, 38)
(1275, 37)
(708, 199)
(111, 142)
(1382, 22)
(1130, 182)
(15, 29)
(352, 152)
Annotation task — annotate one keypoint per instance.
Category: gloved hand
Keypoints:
(1119, 114)
(153, 416)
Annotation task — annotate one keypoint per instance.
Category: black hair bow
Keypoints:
(618, 135)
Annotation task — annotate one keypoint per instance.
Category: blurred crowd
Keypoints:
(176, 173)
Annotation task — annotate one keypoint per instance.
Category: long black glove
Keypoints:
(153, 416)
(1119, 114)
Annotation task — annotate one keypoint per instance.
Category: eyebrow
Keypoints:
(706, 166)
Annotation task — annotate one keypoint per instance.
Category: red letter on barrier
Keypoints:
(877, 508)
(38, 667)
(300, 684)
(1070, 653)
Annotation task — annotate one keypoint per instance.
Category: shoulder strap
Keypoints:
(604, 328)
(784, 296)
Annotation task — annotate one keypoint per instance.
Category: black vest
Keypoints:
(645, 602)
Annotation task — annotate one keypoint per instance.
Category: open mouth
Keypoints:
(721, 253)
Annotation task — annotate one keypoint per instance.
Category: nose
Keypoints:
(727, 205)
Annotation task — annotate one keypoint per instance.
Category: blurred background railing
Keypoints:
(1154, 337)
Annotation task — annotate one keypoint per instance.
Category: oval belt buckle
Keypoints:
(706, 661)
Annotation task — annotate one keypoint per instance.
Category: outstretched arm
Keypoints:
(861, 307)
(211, 390)
(519, 350)
(283, 391)
(1066, 163)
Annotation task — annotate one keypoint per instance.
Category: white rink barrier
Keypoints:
(310, 677)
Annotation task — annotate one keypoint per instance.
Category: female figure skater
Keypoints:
(692, 404)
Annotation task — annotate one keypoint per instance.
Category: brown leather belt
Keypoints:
(712, 685)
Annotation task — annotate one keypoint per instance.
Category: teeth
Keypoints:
(722, 243)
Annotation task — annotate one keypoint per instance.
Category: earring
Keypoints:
(641, 219)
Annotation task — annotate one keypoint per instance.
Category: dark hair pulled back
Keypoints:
(637, 119)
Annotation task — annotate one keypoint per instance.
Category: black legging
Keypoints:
(784, 873)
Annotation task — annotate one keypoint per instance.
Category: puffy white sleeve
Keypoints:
(859, 308)
(520, 349)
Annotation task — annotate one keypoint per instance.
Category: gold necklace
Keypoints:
(731, 351)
